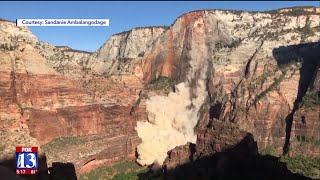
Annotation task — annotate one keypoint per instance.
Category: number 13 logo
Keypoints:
(27, 160)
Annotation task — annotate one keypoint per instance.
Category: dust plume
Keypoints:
(172, 118)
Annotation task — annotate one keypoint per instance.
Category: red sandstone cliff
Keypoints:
(48, 99)
(262, 65)
(261, 68)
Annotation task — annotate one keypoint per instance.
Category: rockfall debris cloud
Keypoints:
(172, 118)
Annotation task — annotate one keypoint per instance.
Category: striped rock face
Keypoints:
(47, 99)
(255, 70)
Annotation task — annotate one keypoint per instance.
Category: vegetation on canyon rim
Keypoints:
(129, 170)
(162, 83)
(307, 166)
(62, 141)
(125, 170)
(296, 11)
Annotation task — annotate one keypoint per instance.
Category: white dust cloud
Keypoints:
(172, 118)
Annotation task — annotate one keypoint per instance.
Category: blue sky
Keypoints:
(123, 16)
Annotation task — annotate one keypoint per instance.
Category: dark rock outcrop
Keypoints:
(223, 151)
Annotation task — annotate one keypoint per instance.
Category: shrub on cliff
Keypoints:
(162, 83)
(102, 172)
(273, 86)
(297, 12)
(127, 176)
(308, 141)
(305, 32)
(307, 166)
(269, 150)
(63, 141)
(124, 170)
(8, 47)
(311, 99)
(2, 148)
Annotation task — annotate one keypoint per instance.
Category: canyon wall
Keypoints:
(49, 100)
(261, 67)
(263, 78)
(122, 51)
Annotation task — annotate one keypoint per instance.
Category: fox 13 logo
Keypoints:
(26, 160)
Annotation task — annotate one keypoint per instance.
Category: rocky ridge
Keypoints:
(48, 98)
(257, 69)
(122, 51)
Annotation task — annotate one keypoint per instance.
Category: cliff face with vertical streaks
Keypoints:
(48, 99)
(262, 66)
(263, 78)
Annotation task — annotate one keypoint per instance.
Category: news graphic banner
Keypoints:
(26, 160)
(62, 22)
